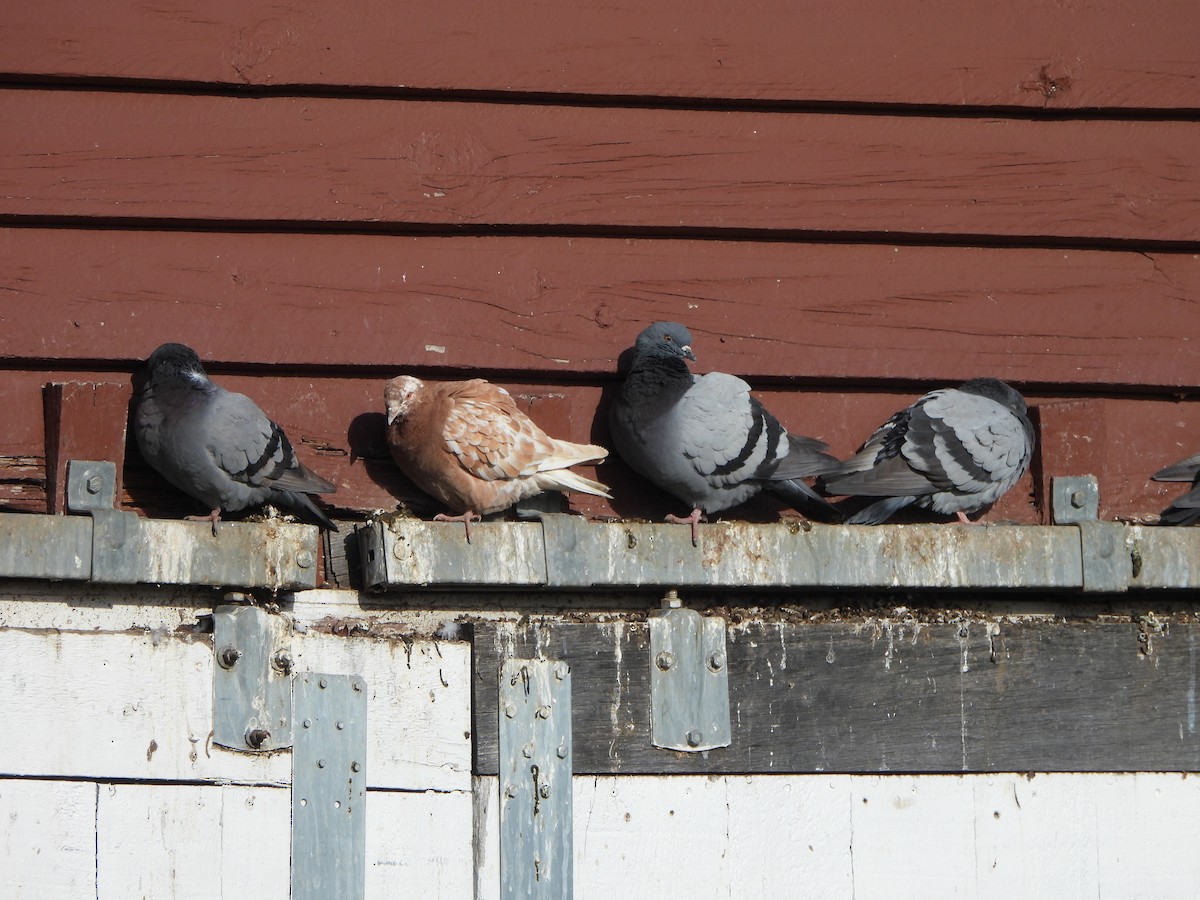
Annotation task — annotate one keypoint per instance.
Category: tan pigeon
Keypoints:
(467, 444)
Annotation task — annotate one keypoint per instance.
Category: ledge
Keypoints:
(569, 552)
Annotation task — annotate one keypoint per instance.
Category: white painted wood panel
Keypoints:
(779, 837)
(230, 842)
(47, 840)
(139, 706)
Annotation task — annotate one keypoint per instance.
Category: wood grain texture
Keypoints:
(562, 308)
(385, 163)
(84, 420)
(1095, 53)
(896, 697)
(48, 844)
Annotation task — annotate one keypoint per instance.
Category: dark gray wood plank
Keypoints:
(875, 697)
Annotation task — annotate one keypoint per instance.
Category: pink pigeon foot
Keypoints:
(466, 518)
(214, 517)
(962, 517)
(696, 516)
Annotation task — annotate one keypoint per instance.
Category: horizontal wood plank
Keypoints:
(893, 697)
(560, 308)
(48, 845)
(384, 163)
(1095, 53)
(139, 705)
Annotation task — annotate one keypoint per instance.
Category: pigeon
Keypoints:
(217, 446)
(467, 444)
(954, 451)
(1183, 510)
(704, 438)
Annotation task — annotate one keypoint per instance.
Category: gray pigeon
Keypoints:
(1183, 510)
(703, 438)
(954, 451)
(217, 446)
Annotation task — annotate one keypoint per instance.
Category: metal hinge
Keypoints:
(689, 679)
(1106, 553)
(535, 780)
(252, 684)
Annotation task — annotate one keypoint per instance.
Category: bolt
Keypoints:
(561, 670)
(304, 559)
(399, 550)
(282, 661)
(694, 738)
(544, 791)
(716, 661)
(527, 751)
(94, 484)
(256, 737)
(355, 767)
(320, 763)
(357, 685)
(322, 684)
(543, 712)
(228, 657)
(511, 791)
(562, 751)
(665, 660)
(341, 726)
(510, 710)
(307, 723)
(671, 600)
(1077, 499)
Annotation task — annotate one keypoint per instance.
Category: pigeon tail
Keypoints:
(303, 507)
(880, 511)
(803, 499)
(566, 480)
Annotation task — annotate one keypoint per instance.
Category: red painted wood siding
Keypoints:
(848, 207)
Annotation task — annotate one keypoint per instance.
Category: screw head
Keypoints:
(307, 723)
(282, 662)
(1077, 499)
(356, 684)
(665, 660)
(527, 751)
(694, 737)
(256, 737)
(341, 726)
(322, 684)
(228, 657)
(510, 711)
(94, 484)
(320, 763)
(561, 670)
(562, 751)
(543, 712)
(510, 791)
(716, 661)
(304, 559)
(355, 767)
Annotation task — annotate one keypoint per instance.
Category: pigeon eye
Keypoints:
(667, 338)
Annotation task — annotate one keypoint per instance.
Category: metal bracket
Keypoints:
(252, 697)
(329, 779)
(535, 780)
(566, 544)
(116, 535)
(1105, 553)
(689, 679)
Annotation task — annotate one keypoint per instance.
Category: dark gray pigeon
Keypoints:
(1183, 510)
(703, 438)
(218, 446)
(954, 451)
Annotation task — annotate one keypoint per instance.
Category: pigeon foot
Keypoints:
(696, 515)
(466, 518)
(214, 517)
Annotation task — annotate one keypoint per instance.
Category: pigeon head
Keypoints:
(172, 362)
(995, 389)
(400, 394)
(665, 340)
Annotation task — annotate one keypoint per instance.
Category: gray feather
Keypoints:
(1184, 510)
(218, 446)
(954, 450)
(704, 439)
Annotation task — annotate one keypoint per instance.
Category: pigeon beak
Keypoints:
(686, 349)
(391, 416)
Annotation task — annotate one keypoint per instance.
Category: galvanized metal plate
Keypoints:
(689, 681)
(1164, 557)
(252, 698)
(1074, 498)
(1107, 556)
(410, 553)
(51, 547)
(91, 484)
(535, 780)
(273, 555)
(329, 778)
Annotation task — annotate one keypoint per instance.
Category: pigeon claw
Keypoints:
(466, 518)
(214, 517)
(696, 516)
(962, 517)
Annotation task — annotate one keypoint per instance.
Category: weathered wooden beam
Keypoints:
(887, 695)
(1124, 55)
(193, 157)
(84, 420)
